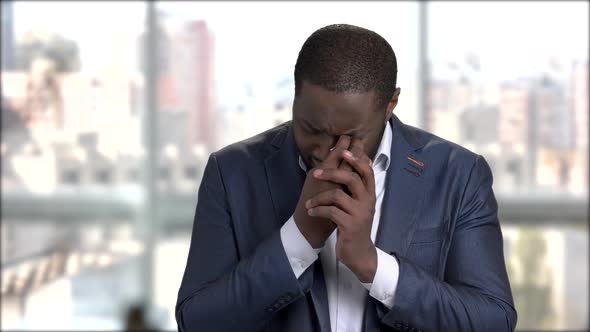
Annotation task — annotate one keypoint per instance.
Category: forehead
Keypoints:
(327, 108)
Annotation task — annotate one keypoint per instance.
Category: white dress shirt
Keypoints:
(346, 294)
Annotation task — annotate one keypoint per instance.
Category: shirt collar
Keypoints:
(382, 157)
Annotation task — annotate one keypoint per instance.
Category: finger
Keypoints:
(344, 165)
(343, 142)
(335, 197)
(363, 167)
(357, 147)
(351, 180)
(335, 156)
(331, 212)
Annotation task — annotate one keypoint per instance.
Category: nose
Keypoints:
(324, 146)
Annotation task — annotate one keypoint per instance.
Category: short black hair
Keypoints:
(346, 58)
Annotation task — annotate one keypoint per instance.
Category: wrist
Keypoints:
(367, 267)
(316, 242)
(314, 236)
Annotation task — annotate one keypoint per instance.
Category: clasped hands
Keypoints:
(340, 194)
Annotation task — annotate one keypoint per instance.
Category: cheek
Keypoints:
(365, 140)
(305, 143)
(371, 143)
(368, 141)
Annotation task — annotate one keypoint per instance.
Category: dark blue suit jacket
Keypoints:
(439, 219)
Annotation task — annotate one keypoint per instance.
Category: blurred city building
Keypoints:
(533, 135)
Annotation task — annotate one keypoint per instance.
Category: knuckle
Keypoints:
(334, 193)
(332, 212)
(373, 201)
(356, 177)
(338, 195)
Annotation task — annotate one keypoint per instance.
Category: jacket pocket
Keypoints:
(425, 248)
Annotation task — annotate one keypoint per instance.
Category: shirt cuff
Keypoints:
(385, 281)
(299, 252)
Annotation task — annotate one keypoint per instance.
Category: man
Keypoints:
(345, 219)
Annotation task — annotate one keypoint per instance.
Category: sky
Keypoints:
(258, 42)
(511, 38)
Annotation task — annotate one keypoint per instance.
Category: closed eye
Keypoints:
(313, 131)
(308, 128)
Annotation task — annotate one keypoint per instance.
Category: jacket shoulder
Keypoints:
(438, 148)
(252, 149)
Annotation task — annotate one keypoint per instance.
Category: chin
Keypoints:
(314, 163)
(310, 163)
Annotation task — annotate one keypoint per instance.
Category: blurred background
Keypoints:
(110, 110)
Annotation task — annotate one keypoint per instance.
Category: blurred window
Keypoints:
(514, 90)
(511, 87)
(71, 249)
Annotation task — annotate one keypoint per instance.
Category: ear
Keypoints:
(392, 104)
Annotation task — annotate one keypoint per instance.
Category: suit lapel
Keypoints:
(404, 191)
(285, 181)
(285, 177)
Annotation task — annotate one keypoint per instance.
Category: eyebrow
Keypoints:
(308, 124)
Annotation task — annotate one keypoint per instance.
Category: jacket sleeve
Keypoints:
(475, 294)
(221, 291)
